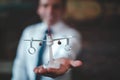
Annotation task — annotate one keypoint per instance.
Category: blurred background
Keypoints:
(98, 21)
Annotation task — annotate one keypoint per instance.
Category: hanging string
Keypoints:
(49, 31)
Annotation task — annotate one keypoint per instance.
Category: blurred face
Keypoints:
(50, 11)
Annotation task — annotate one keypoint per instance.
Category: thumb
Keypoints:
(75, 63)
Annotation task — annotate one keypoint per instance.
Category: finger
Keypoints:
(37, 69)
(75, 63)
(40, 70)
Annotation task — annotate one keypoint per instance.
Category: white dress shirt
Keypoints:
(25, 63)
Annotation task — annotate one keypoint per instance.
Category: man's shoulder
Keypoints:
(71, 29)
(33, 27)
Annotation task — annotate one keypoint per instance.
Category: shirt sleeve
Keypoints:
(75, 44)
(72, 49)
(19, 68)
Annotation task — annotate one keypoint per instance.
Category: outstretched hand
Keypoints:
(53, 72)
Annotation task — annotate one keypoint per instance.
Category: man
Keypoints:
(25, 65)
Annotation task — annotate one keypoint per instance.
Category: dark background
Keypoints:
(100, 38)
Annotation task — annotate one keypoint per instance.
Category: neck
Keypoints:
(51, 24)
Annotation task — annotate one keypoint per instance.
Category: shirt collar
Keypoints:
(55, 28)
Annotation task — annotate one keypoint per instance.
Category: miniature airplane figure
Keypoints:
(49, 43)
